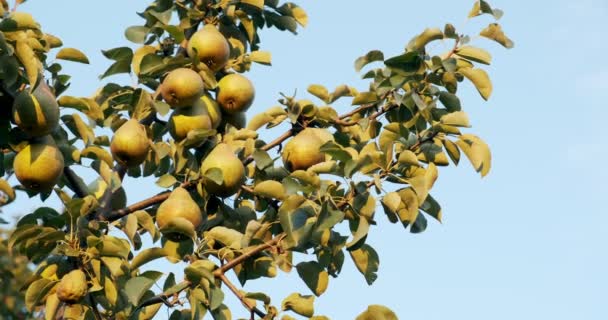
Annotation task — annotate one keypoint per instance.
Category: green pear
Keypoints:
(182, 87)
(235, 93)
(130, 144)
(179, 205)
(72, 287)
(303, 151)
(210, 46)
(184, 120)
(39, 165)
(233, 171)
(37, 113)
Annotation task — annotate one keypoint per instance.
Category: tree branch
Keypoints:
(240, 259)
(240, 296)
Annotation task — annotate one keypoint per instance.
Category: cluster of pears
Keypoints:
(39, 165)
(184, 90)
(304, 150)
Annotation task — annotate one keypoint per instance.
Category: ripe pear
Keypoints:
(235, 93)
(39, 165)
(179, 205)
(72, 287)
(233, 171)
(182, 87)
(237, 120)
(210, 46)
(184, 120)
(37, 113)
(98, 188)
(130, 144)
(303, 151)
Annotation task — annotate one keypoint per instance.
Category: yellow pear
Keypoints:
(184, 120)
(235, 93)
(130, 144)
(39, 165)
(303, 151)
(233, 171)
(182, 87)
(37, 113)
(98, 189)
(179, 205)
(210, 46)
(72, 287)
(237, 120)
(139, 55)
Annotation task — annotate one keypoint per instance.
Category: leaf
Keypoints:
(37, 291)
(494, 32)
(474, 54)
(477, 151)
(136, 287)
(365, 98)
(428, 35)
(256, 3)
(450, 101)
(146, 256)
(221, 313)
(319, 91)
(270, 189)
(295, 221)
(8, 191)
(261, 57)
(228, 237)
(314, 275)
(409, 62)
(51, 307)
(457, 119)
(96, 152)
(370, 57)
(137, 34)
(166, 181)
(367, 262)
(72, 54)
(480, 79)
(377, 312)
(302, 305)
(30, 62)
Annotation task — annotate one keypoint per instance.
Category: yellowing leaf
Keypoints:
(458, 119)
(262, 57)
(367, 262)
(474, 54)
(302, 305)
(494, 32)
(425, 37)
(314, 275)
(477, 151)
(480, 79)
(377, 312)
(270, 189)
(30, 62)
(72, 54)
(256, 3)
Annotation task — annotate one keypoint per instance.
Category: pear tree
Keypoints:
(233, 203)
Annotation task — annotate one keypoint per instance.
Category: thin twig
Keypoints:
(240, 296)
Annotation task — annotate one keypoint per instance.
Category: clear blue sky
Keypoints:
(527, 242)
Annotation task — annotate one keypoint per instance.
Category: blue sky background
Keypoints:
(527, 242)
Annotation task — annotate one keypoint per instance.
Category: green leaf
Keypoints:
(370, 57)
(136, 287)
(146, 256)
(377, 312)
(474, 54)
(297, 222)
(494, 32)
(256, 3)
(480, 79)
(367, 262)
(137, 34)
(409, 62)
(221, 313)
(72, 54)
(450, 101)
(477, 151)
(37, 291)
(262, 159)
(302, 305)
(365, 98)
(314, 275)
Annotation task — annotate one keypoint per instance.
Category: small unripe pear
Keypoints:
(233, 171)
(179, 205)
(130, 144)
(184, 120)
(39, 165)
(72, 287)
(37, 113)
(303, 151)
(235, 93)
(182, 87)
(210, 46)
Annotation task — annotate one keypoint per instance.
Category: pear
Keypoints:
(237, 120)
(303, 151)
(233, 171)
(98, 188)
(182, 87)
(72, 287)
(179, 205)
(39, 165)
(184, 120)
(37, 113)
(235, 93)
(210, 46)
(130, 144)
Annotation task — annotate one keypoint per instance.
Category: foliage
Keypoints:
(387, 150)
